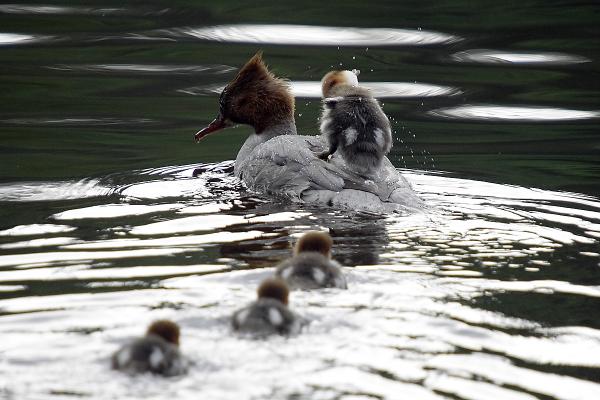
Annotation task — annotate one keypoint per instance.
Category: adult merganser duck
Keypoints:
(312, 266)
(157, 352)
(269, 313)
(277, 161)
(353, 122)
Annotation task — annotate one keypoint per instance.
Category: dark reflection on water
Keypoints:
(491, 293)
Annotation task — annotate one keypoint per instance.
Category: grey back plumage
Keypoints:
(311, 270)
(149, 354)
(280, 163)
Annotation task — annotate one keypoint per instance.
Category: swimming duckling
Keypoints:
(353, 122)
(269, 313)
(312, 266)
(157, 352)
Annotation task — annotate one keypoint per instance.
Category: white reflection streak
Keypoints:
(501, 371)
(48, 191)
(312, 89)
(85, 273)
(148, 68)
(114, 211)
(39, 9)
(507, 113)
(318, 35)
(36, 229)
(23, 260)
(209, 222)
(542, 286)
(14, 38)
(190, 240)
(494, 57)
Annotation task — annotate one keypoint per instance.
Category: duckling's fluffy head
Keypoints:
(335, 78)
(274, 288)
(319, 242)
(166, 329)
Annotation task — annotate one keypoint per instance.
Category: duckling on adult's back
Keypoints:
(277, 161)
(157, 352)
(311, 267)
(354, 123)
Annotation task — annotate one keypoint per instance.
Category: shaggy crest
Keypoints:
(257, 97)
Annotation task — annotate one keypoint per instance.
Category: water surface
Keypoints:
(491, 293)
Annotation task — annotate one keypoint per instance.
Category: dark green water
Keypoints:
(139, 119)
(493, 293)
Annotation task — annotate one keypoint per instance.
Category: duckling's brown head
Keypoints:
(334, 79)
(274, 288)
(254, 97)
(166, 329)
(315, 241)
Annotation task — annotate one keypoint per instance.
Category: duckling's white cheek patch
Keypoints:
(123, 357)
(350, 134)
(275, 317)
(318, 275)
(242, 316)
(156, 358)
(286, 273)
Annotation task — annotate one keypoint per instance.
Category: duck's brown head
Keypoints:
(274, 288)
(334, 79)
(166, 329)
(255, 97)
(319, 242)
